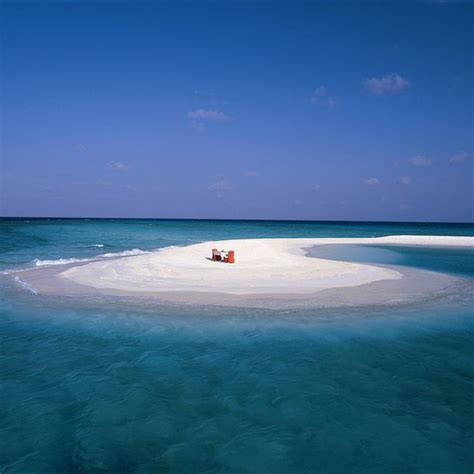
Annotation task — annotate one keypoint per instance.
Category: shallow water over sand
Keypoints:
(104, 385)
(217, 390)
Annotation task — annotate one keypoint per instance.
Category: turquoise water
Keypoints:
(106, 386)
(453, 261)
(24, 240)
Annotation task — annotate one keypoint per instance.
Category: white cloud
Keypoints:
(458, 157)
(250, 174)
(210, 115)
(372, 181)
(420, 160)
(390, 83)
(220, 186)
(320, 96)
(118, 166)
(406, 180)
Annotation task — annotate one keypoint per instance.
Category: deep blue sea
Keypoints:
(105, 385)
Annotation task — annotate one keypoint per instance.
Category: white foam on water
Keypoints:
(64, 261)
(59, 261)
(125, 253)
(9, 272)
(26, 285)
(99, 246)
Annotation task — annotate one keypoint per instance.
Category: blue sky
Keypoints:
(292, 110)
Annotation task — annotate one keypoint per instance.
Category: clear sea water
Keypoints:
(107, 386)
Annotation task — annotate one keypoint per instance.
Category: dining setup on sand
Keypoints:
(224, 256)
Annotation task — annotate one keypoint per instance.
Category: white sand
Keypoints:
(263, 266)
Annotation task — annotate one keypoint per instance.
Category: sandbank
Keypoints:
(267, 273)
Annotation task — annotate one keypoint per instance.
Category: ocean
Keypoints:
(104, 385)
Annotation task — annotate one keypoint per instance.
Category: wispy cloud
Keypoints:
(207, 100)
(199, 117)
(118, 166)
(220, 186)
(320, 96)
(212, 115)
(371, 181)
(406, 180)
(420, 160)
(250, 174)
(390, 83)
(458, 157)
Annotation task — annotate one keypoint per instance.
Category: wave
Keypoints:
(64, 261)
(59, 261)
(99, 246)
(125, 253)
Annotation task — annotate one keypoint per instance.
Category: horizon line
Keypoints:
(241, 219)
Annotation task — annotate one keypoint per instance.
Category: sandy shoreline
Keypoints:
(263, 266)
(268, 273)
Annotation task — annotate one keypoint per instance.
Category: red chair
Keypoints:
(216, 256)
(231, 257)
